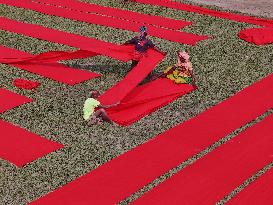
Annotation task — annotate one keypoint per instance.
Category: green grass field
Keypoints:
(223, 65)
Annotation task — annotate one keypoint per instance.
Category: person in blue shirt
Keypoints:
(142, 44)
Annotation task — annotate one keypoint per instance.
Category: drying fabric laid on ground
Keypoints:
(122, 88)
(25, 84)
(211, 178)
(132, 16)
(133, 78)
(20, 146)
(84, 43)
(176, 36)
(9, 100)
(16, 144)
(45, 66)
(261, 36)
(129, 172)
(145, 99)
(259, 192)
(258, 36)
(209, 12)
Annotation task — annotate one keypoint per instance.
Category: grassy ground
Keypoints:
(223, 66)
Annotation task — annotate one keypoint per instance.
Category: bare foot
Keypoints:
(92, 121)
(99, 121)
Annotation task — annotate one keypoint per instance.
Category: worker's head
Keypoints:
(143, 32)
(94, 94)
(183, 56)
(143, 29)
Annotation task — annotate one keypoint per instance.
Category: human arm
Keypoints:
(131, 41)
(109, 106)
(152, 45)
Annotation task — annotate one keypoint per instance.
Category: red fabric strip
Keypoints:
(145, 99)
(176, 36)
(20, 146)
(9, 100)
(129, 172)
(258, 36)
(209, 12)
(119, 13)
(215, 175)
(132, 79)
(53, 70)
(258, 192)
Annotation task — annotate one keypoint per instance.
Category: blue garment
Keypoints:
(141, 44)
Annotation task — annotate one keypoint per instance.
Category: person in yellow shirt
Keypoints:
(93, 111)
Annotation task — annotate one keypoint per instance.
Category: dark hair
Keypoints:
(92, 92)
(143, 29)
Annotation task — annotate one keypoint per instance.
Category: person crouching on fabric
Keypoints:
(181, 72)
(142, 44)
(93, 111)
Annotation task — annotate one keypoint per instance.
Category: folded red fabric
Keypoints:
(25, 84)
(258, 36)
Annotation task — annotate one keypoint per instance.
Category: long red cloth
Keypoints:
(16, 144)
(20, 146)
(129, 172)
(145, 99)
(119, 13)
(259, 192)
(9, 100)
(214, 176)
(258, 36)
(171, 35)
(45, 64)
(209, 12)
(84, 43)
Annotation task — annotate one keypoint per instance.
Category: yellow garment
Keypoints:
(177, 76)
(89, 107)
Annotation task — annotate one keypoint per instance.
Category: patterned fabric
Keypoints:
(175, 74)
